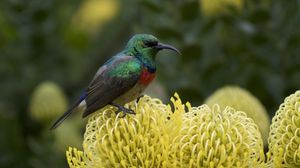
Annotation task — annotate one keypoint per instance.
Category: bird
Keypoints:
(122, 78)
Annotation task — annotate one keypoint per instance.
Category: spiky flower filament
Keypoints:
(284, 137)
(216, 138)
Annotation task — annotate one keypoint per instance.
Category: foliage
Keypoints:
(254, 46)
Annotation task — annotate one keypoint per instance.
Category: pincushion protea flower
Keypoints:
(284, 137)
(215, 7)
(142, 140)
(47, 102)
(211, 137)
(92, 14)
(158, 136)
(241, 99)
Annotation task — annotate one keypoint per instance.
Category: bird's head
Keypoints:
(146, 44)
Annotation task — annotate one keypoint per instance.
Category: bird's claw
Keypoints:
(138, 98)
(124, 110)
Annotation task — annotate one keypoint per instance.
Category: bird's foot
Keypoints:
(138, 98)
(122, 109)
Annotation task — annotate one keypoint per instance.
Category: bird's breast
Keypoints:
(146, 77)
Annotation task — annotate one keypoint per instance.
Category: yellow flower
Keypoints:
(284, 138)
(158, 136)
(92, 14)
(241, 99)
(214, 7)
(47, 102)
(142, 140)
(217, 138)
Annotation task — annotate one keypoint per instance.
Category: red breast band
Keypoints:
(146, 77)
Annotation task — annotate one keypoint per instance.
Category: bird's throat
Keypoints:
(148, 62)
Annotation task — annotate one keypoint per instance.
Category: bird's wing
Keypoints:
(112, 80)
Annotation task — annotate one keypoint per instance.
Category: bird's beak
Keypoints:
(161, 46)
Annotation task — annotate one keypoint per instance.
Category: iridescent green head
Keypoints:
(146, 45)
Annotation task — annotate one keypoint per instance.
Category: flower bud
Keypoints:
(47, 102)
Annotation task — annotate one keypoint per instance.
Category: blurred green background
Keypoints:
(253, 44)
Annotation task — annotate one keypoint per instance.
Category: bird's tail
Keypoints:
(62, 118)
(68, 112)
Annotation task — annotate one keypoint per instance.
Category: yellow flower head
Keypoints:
(92, 14)
(284, 138)
(211, 137)
(241, 99)
(158, 136)
(214, 7)
(142, 140)
(47, 102)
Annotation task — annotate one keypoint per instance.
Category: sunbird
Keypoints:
(122, 78)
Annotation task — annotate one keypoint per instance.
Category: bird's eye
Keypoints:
(150, 43)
